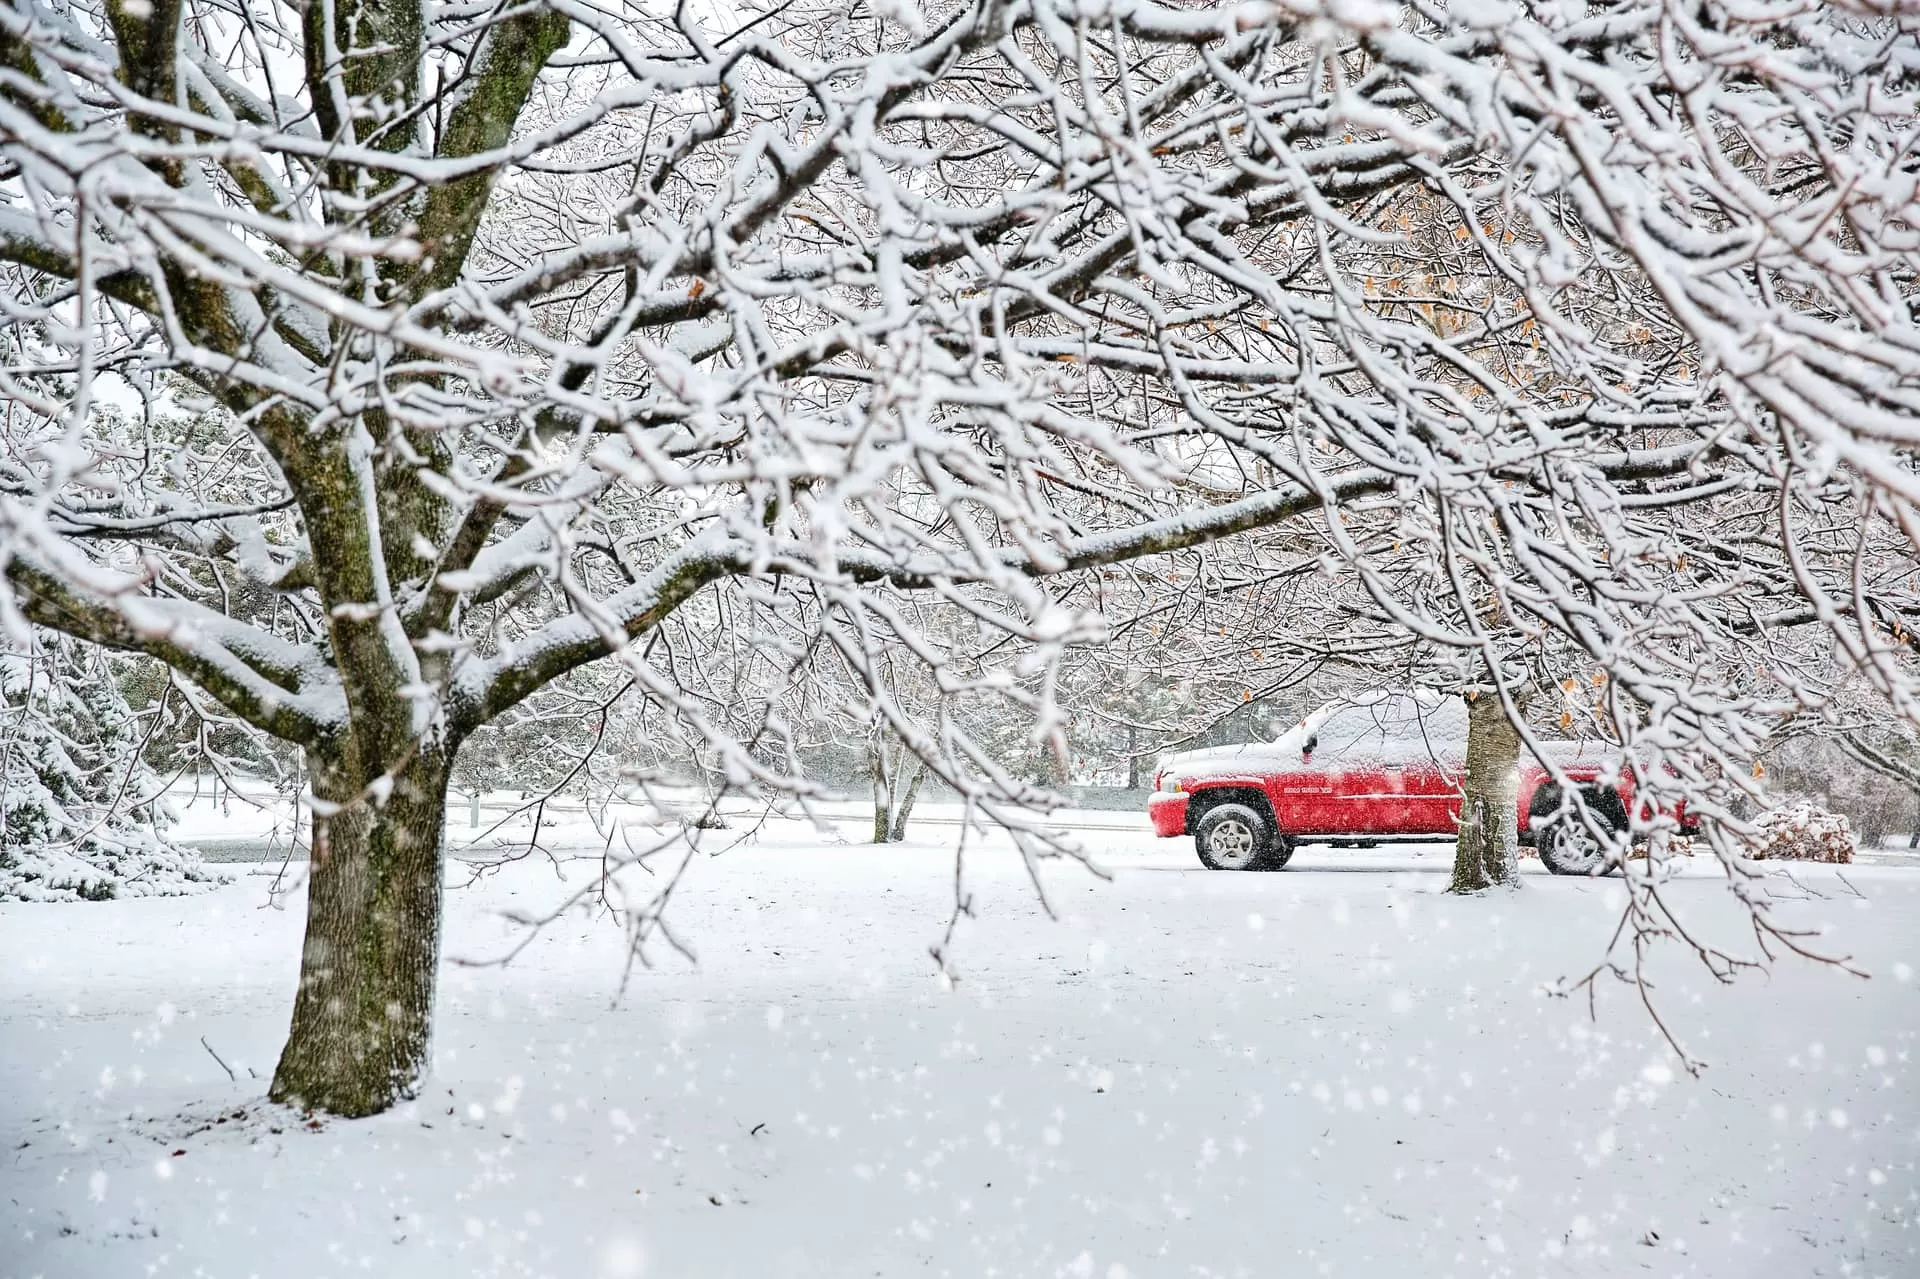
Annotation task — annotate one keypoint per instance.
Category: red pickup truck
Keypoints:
(1376, 767)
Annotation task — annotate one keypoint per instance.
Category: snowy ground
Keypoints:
(256, 823)
(1334, 1070)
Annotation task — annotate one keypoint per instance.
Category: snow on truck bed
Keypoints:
(1189, 1074)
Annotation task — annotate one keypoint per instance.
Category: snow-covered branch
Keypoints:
(455, 349)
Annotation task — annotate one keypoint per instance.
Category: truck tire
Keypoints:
(1565, 844)
(1235, 837)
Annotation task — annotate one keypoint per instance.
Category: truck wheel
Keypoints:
(1566, 845)
(1234, 837)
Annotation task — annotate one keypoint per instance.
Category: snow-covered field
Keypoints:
(1334, 1070)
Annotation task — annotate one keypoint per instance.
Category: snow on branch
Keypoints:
(384, 388)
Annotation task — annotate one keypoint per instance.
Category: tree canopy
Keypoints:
(375, 363)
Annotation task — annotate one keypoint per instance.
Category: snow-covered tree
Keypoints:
(527, 336)
(81, 812)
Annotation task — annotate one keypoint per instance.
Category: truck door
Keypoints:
(1394, 766)
(1437, 747)
(1363, 795)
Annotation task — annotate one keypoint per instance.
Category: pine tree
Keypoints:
(81, 817)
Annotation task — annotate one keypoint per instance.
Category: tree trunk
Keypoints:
(882, 794)
(1487, 851)
(1133, 760)
(361, 1017)
(898, 830)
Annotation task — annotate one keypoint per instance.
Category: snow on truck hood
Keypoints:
(1283, 752)
(1253, 757)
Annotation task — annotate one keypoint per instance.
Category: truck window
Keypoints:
(1393, 726)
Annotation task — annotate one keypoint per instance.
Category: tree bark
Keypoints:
(897, 831)
(361, 1017)
(1487, 851)
(882, 793)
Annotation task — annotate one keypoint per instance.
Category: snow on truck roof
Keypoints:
(1377, 723)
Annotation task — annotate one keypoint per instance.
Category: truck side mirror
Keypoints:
(1306, 752)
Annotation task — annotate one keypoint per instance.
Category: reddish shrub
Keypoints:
(1803, 833)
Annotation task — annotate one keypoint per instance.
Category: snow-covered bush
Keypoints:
(79, 820)
(1825, 768)
(1803, 833)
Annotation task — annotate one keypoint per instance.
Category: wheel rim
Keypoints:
(1576, 850)
(1231, 844)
